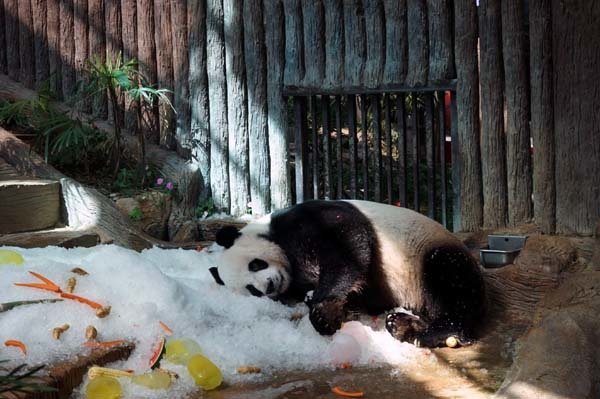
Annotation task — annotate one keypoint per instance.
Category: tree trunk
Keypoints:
(495, 211)
(375, 29)
(97, 49)
(11, 18)
(3, 49)
(129, 36)
(237, 112)
(114, 47)
(26, 49)
(334, 43)
(294, 60)
(576, 39)
(281, 196)
(355, 41)
(80, 8)
(441, 50)
(54, 62)
(164, 69)
(418, 46)
(40, 29)
(256, 69)
(217, 95)
(542, 114)
(147, 66)
(467, 121)
(516, 81)
(199, 141)
(396, 40)
(180, 73)
(314, 46)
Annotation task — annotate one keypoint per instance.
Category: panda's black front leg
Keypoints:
(328, 315)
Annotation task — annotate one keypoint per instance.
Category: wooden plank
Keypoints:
(237, 112)
(164, 70)
(339, 147)
(294, 55)
(3, 49)
(396, 39)
(53, 29)
(327, 175)
(355, 42)
(351, 105)
(199, 144)
(402, 142)
(281, 196)
(314, 43)
(542, 114)
(67, 48)
(518, 156)
(493, 155)
(376, 109)
(441, 35)
(80, 28)
(365, 144)
(375, 30)
(147, 65)
(383, 88)
(316, 152)
(97, 48)
(300, 150)
(11, 18)
(415, 153)
(418, 46)
(388, 146)
(441, 115)
(181, 93)
(334, 43)
(430, 154)
(256, 69)
(40, 40)
(129, 38)
(28, 205)
(575, 41)
(26, 49)
(217, 99)
(466, 121)
(457, 205)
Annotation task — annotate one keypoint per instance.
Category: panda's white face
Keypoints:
(253, 265)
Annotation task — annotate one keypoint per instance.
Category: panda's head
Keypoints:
(251, 263)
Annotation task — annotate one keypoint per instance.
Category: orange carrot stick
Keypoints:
(340, 392)
(46, 280)
(81, 299)
(38, 286)
(17, 344)
(105, 344)
(166, 328)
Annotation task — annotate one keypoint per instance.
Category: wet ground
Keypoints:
(472, 372)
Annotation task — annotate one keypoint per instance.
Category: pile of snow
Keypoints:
(175, 287)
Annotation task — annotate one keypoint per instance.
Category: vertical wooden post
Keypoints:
(300, 149)
(3, 49)
(493, 154)
(334, 43)
(26, 49)
(256, 70)
(465, 119)
(396, 42)
(430, 144)
(129, 36)
(402, 162)
(316, 148)
(457, 162)
(181, 93)
(217, 99)
(415, 147)
(542, 114)
(11, 18)
(53, 28)
(376, 107)
(67, 47)
(314, 43)
(277, 105)
(365, 142)
(351, 105)
(441, 50)
(40, 26)
(97, 46)
(442, 136)
(339, 137)
(237, 112)
(294, 56)
(418, 45)
(518, 156)
(80, 9)
(375, 29)
(198, 81)
(164, 70)
(388, 145)
(326, 147)
(112, 15)
(355, 42)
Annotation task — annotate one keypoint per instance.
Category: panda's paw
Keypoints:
(405, 327)
(328, 315)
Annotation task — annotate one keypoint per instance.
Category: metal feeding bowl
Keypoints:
(501, 250)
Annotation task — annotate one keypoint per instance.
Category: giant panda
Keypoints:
(359, 256)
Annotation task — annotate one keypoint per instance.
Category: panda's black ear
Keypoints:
(227, 235)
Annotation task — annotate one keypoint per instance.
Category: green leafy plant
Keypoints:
(18, 380)
(206, 208)
(136, 214)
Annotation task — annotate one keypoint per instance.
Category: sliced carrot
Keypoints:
(17, 344)
(105, 344)
(38, 286)
(46, 280)
(166, 328)
(81, 299)
(340, 392)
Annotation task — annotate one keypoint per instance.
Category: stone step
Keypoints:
(29, 205)
(60, 237)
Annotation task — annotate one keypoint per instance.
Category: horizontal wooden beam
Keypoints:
(449, 85)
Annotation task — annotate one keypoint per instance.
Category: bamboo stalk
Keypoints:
(10, 305)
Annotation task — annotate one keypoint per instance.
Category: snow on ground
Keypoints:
(175, 287)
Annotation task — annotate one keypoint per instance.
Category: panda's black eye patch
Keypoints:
(257, 264)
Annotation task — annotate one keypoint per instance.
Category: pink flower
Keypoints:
(160, 181)
(169, 186)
